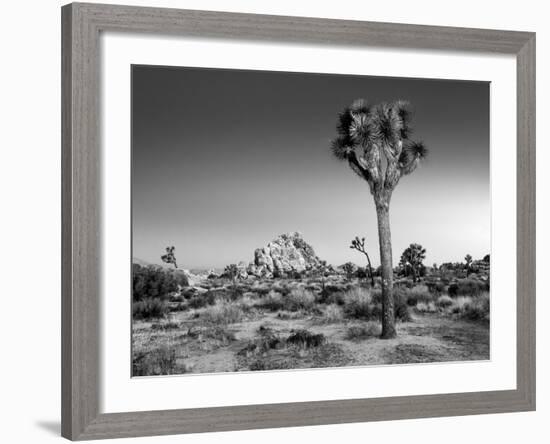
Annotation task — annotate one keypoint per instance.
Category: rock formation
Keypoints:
(287, 253)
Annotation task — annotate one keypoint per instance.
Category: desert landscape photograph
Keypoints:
(287, 220)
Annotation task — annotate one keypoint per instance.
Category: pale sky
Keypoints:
(226, 160)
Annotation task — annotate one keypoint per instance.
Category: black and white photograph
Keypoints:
(285, 220)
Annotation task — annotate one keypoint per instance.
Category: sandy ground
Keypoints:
(428, 338)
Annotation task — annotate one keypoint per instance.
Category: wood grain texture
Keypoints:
(81, 236)
(526, 221)
(81, 223)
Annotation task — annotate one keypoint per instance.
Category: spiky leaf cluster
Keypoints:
(170, 256)
(368, 133)
(413, 255)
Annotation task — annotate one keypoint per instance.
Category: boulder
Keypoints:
(286, 253)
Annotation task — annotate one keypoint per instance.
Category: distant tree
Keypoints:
(232, 272)
(322, 270)
(374, 140)
(487, 258)
(155, 282)
(412, 258)
(170, 256)
(362, 273)
(350, 269)
(468, 260)
(434, 266)
(359, 245)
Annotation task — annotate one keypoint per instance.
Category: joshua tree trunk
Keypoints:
(384, 237)
(374, 140)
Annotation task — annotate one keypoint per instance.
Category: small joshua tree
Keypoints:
(412, 259)
(468, 260)
(170, 256)
(322, 270)
(359, 245)
(349, 268)
(232, 272)
(374, 140)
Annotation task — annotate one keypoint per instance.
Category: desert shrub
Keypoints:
(306, 339)
(149, 308)
(474, 309)
(334, 288)
(273, 301)
(332, 313)
(261, 290)
(299, 299)
(331, 297)
(202, 300)
(246, 303)
(459, 304)
(314, 288)
(222, 313)
(171, 325)
(436, 288)
(281, 287)
(369, 330)
(177, 307)
(400, 306)
(468, 287)
(264, 364)
(444, 301)
(358, 304)
(266, 341)
(426, 307)
(155, 282)
(215, 332)
(287, 315)
(177, 298)
(414, 295)
(161, 361)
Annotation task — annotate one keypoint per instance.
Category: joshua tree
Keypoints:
(170, 256)
(468, 260)
(349, 268)
(412, 258)
(322, 270)
(359, 245)
(232, 272)
(375, 142)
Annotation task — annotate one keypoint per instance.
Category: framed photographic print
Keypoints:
(280, 221)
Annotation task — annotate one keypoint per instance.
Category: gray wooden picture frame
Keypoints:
(81, 26)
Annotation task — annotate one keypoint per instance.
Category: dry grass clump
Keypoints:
(299, 299)
(273, 301)
(223, 312)
(160, 361)
(444, 301)
(202, 300)
(332, 314)
(216, 332)
(149, 308)
(247, 302)
(289, 315)
(366, 304)
(305, 339)
(170, 325)
(366, 331)
(468, 287)
(414, 295)
(426, 307)
(473, 309)
(359, 304)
